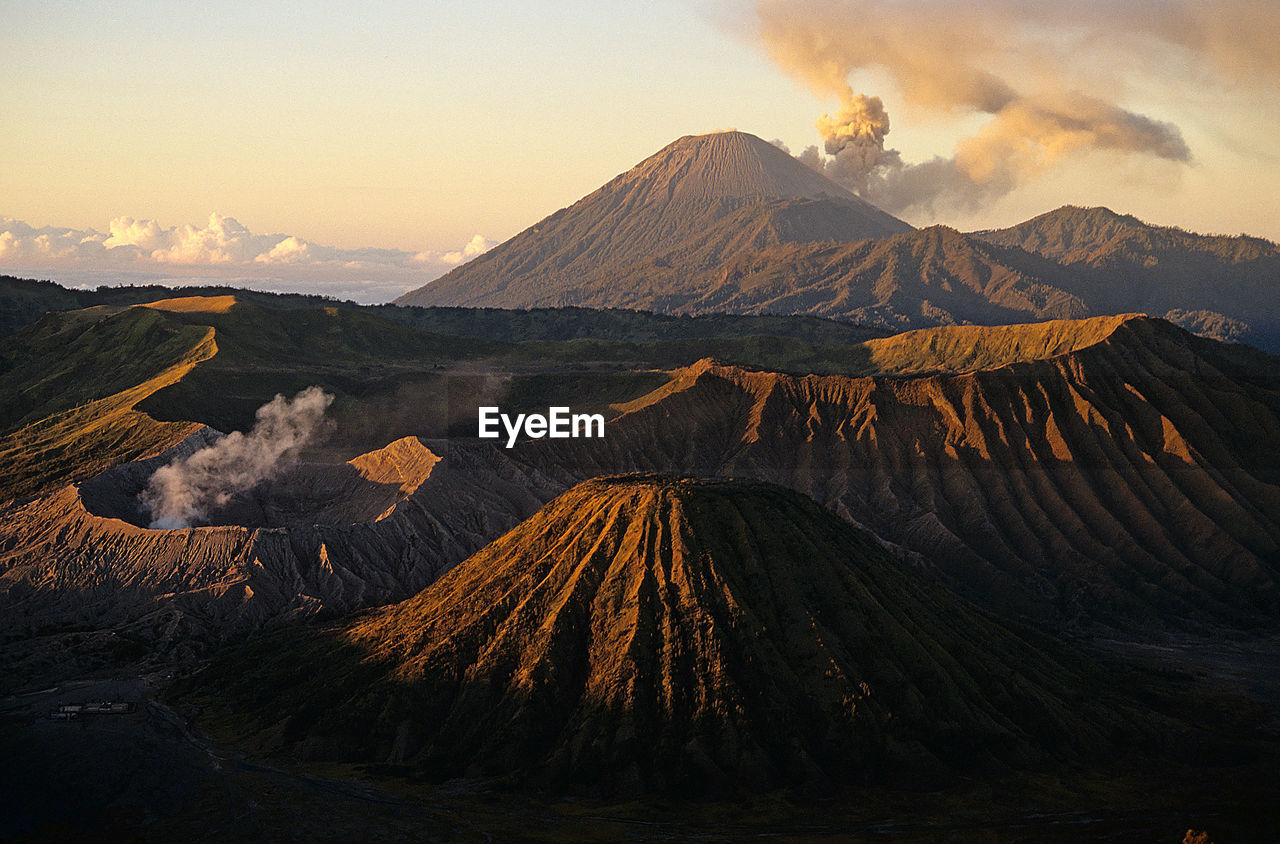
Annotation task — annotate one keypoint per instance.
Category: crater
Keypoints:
(364, 489)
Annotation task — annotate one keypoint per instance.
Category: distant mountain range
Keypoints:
(1224, 287)
(728, 223)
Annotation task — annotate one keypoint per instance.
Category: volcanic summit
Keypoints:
(654, 633)
(694, 202)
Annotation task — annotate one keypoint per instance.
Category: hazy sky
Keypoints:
(410, 128)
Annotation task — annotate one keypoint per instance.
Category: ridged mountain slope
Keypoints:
(666, 203)
(650, 633)
(935, 276)
(1224, 287)
(1114, 471)
(1129, 480)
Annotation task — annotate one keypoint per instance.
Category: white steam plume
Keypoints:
(183, 492)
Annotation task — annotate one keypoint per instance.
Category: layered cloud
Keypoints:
(224, 250)
(1049, 82)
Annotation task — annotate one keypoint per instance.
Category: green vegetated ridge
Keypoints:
(70, 386)
(71, 358)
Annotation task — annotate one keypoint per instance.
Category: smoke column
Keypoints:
(183, 492)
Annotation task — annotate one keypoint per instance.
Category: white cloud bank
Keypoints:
(221, 252)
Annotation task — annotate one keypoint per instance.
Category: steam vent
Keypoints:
(364, 489)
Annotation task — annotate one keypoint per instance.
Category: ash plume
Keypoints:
(1048, 78)
(854, 138)
(1025, 137)
(182, 493)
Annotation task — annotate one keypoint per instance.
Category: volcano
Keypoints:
(689, 205)
(655, 633)
(727, 223)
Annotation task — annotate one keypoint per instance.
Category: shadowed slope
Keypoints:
(651, 633)
(1224, 287)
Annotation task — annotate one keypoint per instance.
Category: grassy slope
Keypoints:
(69, 359)
(90, 420)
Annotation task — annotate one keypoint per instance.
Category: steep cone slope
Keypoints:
(654, 633)
(670, 202)
(1113, 470)
(723, 165)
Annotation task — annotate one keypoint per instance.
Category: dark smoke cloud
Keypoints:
(182, 493)
(1047, 75)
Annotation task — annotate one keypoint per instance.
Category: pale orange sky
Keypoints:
(416, 127)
